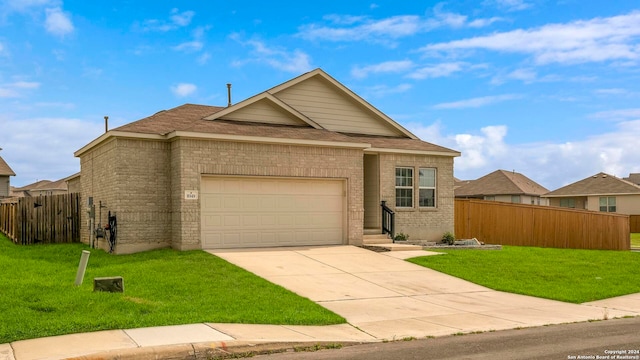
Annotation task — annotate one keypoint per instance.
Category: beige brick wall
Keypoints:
(192, 158)
(143, 183)
(420, 223)
(131, 178)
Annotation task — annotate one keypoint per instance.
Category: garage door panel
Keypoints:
(255, 212)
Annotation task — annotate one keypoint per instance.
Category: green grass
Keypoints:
(162, 287)
(635, 239)
(568, 275)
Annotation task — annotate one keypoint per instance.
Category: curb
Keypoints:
(210, 351)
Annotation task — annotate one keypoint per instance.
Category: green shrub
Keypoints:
(401, 237)
(448, 238)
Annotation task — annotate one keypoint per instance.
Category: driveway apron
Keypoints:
(389, 298)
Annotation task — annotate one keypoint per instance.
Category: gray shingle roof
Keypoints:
(501, 182)
(598, 184)
(190, 118)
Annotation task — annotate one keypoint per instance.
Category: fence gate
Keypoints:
(43, 219)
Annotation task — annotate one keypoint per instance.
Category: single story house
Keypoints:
(505, 186)
(307, 162)
(600, 192)
(5, 178)
(41, 188)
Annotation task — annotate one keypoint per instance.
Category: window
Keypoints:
(515, 199)
(608, 204)
(490, 198)
(568, 203)
(404, 187)
(427, 191)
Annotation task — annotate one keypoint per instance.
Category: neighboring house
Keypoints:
(634, 178)
(42, 187)
(73, 183)
(304, 163)
(600, 192)
(505, 186)
(5, 178)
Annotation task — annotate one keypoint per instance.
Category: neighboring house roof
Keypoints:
(634, 178)
(501, 182)
(39, 186)
(5, 170)
(598, 184)
(285, 114)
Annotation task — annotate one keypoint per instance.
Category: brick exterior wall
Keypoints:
(191, 159)
(131, 178)
(143, 182)
(420, 223)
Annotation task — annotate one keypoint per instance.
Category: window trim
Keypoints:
(434, 187)
(405, 187)
(610, 206)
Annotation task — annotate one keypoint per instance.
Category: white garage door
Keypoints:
(260, 212)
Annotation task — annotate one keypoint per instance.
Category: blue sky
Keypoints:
(550, 89)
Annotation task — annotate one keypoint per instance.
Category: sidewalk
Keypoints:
(382, 297)
(193, 341)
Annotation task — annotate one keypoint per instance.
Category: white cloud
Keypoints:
(509, 5)
(476, 102)
(58, 22)
(383, 67)
(176, 21)
(16, 89)
(384, 90)
(22, 6)
(435, 71)
(32, 145)
(204, 58)
(364, 29)
(183, 89)
(189, 46)
(385, 30)
(181, 18)
(619, 114)
(611, 91)
(295, 61)
(526, 75)
(551, 164)
(595, 40)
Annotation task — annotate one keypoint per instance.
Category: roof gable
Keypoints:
(5, 170)
(335, 107)
(501, 182)
(598, 184)
(264, 108)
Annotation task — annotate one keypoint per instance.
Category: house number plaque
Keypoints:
(191, 194)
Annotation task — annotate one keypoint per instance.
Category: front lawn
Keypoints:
(575, 276)
(635, 239)
(162, 287)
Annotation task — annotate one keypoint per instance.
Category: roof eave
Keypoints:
(115, 133)
(416, 152)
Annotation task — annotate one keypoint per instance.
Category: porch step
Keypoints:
(370, 239)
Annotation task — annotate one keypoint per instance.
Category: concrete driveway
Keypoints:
(389, 298)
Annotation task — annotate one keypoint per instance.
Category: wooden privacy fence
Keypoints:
(42, 219)
(527, 225)
(634, 223)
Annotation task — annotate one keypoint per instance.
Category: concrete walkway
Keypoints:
(389, 298)
(381, 296)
